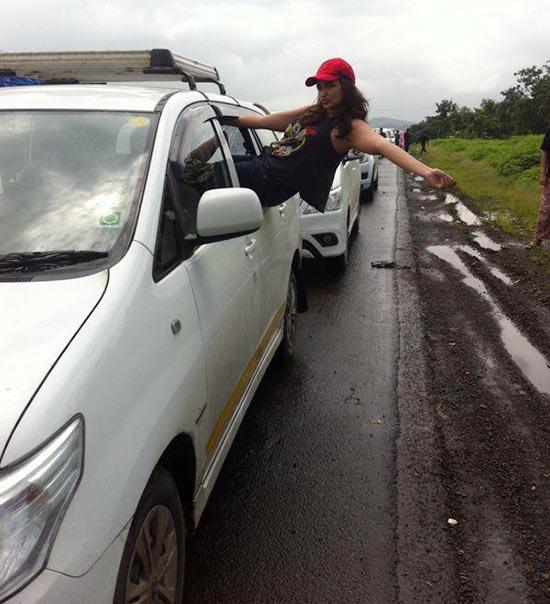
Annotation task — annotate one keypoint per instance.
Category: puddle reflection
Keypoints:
(531, 362)
(486, 242)
(464, 213)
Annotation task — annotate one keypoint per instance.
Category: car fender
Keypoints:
(124, 374)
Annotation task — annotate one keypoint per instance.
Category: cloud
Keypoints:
(406, 55)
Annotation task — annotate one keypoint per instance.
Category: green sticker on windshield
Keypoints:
(111, 220)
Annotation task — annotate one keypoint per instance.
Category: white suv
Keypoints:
(327, 235)
(142, 296)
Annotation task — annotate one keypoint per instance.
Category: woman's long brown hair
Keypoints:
(354, 106)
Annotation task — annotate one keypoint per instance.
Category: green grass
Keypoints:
(500, 176)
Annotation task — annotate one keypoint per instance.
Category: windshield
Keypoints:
(70, 180)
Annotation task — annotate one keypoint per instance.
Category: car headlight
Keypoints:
(334, 200)
(34, 495)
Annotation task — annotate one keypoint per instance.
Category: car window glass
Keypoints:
(240, 142)
(170, 240)
(70, 180)
(199, 167)
(266, 137)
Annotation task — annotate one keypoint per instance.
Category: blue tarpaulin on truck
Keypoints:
(17, 81)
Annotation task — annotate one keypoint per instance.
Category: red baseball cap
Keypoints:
(331, 70)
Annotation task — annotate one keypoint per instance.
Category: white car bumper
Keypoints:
(324, 235)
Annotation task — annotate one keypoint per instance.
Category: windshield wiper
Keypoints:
(41, 261)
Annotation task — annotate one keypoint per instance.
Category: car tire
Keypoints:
(285, 352)
(368, 194)
(339, 264)
(357, 226)
(157, 531)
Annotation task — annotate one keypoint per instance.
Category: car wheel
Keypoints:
(153, 561)
(285, 352)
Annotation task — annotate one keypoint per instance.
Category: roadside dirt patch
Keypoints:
(487, 327)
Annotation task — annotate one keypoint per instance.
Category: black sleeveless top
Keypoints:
(304, 161)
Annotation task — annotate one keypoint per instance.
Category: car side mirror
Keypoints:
(227, 213)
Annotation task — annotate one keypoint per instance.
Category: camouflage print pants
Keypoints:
(542, 229)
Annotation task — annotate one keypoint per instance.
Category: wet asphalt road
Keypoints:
(404, 457)
(305, 507)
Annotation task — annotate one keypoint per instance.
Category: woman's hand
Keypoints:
(364, 139)
(439, 179)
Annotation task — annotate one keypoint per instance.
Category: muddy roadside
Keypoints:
(485, 310)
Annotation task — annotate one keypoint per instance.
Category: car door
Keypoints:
(272, 239)
(223, 275)
(174, 310)
(281, 225)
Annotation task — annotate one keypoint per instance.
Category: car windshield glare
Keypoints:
(69, 180)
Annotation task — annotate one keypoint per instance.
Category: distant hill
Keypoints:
(388, 122)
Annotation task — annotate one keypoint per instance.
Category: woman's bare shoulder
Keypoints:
(358, 124)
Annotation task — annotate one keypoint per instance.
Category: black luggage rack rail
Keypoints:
(158, 64)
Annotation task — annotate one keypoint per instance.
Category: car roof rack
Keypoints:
(108, 66)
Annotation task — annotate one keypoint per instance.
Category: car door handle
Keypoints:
(250, 248)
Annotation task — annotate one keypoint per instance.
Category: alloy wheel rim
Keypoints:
(153, 572)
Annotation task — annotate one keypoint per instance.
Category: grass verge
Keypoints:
(500, 177)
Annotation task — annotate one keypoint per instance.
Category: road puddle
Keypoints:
(496, 272)
(471, 251)
(464, 213)
(493, 269)
(486, 242)
(502, 276)
(532, 363)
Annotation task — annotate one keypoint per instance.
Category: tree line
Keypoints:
(524, 109)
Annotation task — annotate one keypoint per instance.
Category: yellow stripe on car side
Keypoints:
(242, 383)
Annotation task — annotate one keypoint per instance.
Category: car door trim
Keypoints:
(241, 387)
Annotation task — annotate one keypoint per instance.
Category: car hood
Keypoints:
(37, 321)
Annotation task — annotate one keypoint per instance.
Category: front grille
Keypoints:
(15, 277)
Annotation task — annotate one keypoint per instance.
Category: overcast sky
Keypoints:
(407, 54)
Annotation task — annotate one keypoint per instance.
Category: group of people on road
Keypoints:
(403, 139)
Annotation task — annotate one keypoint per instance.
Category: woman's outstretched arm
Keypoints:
(365, 139)
(274, 121)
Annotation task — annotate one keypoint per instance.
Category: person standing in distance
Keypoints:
(316, 138)
(542, 227)
(407, 139)
(423, 139)
(396, 137)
